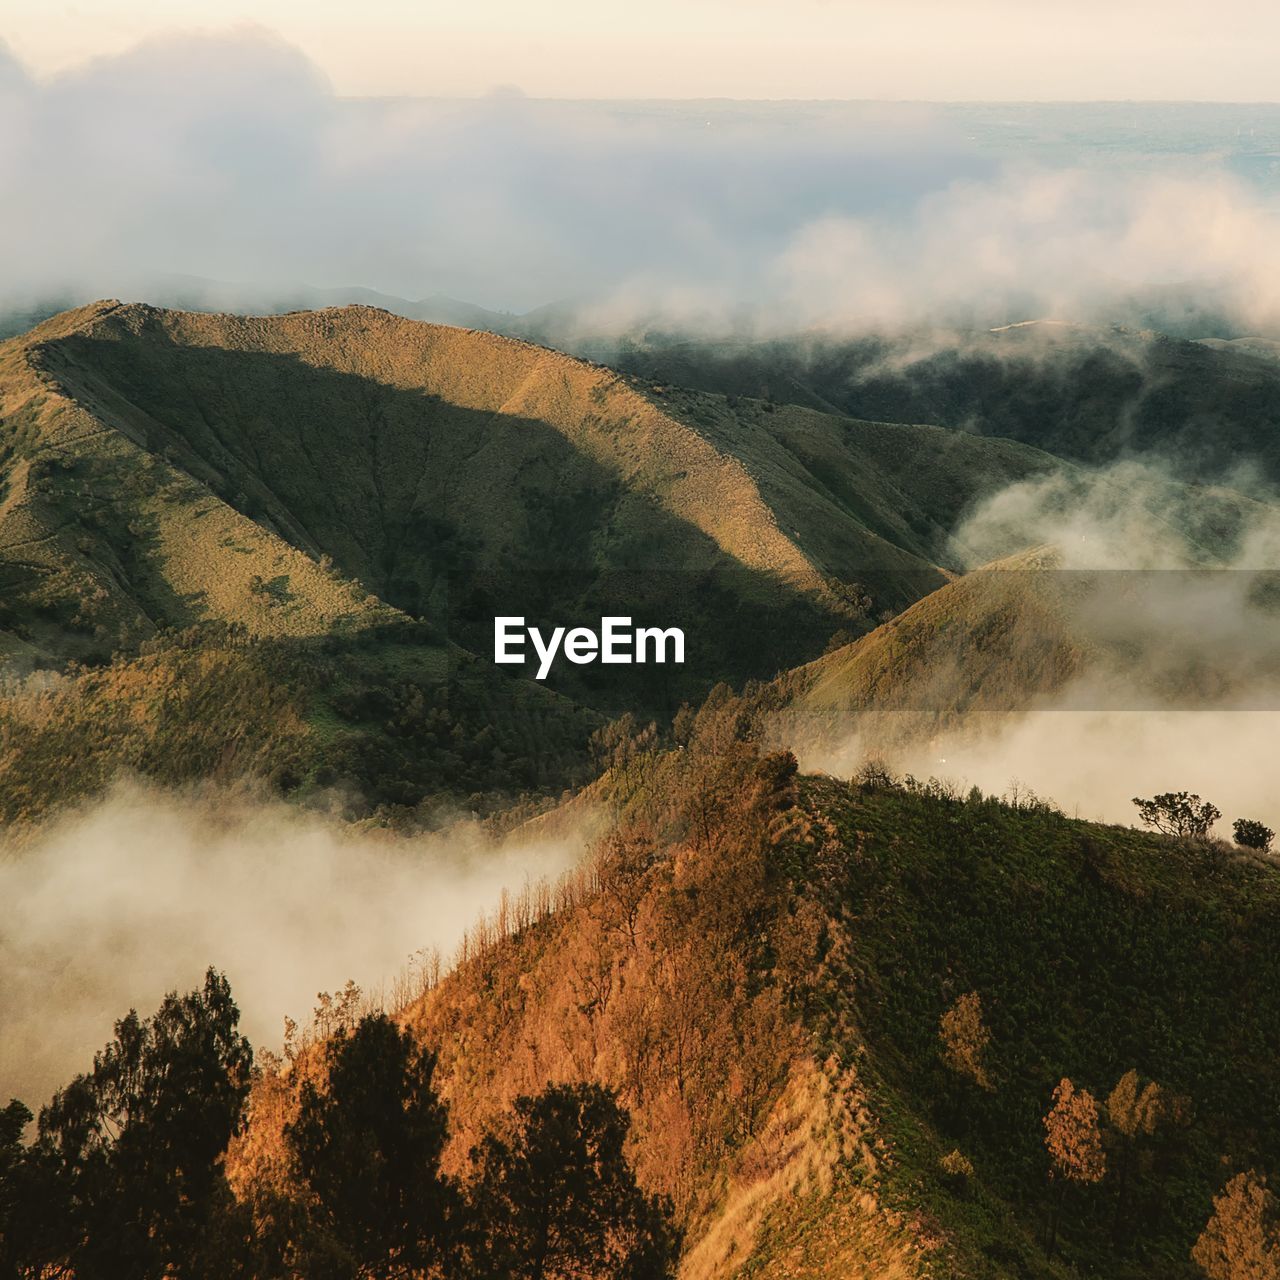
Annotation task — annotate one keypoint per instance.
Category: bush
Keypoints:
(1252, 834)
(956, 1166)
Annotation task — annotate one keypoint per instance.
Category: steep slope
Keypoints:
(1027, 632)
(387, 724)
(761, 967)
(322, 470)
(991, 643)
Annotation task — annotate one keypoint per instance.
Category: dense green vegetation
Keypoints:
(387, 723)
(1088, 394)
(1094, 951)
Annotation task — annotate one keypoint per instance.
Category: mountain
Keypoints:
(838, 1015)
(198, 293)
(325, 475)
(995, 642)
(829, 1028)
(1029, 632)
(1090, 394)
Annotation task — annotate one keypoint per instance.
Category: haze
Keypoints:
(920, 49)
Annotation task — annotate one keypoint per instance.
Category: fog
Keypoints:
(1181, 690)
(1092, 763)
(137, 895)
(229, 157)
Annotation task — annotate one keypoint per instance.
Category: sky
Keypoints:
(140, 148)
(935, 50)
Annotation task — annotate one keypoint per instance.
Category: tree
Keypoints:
(13, 1184)
(965, 1038)
(1072, 1135)
(1178, 813)
(1241, 1241)
(556, 1199)
(624, 861)
(1252, 834)
(368, 1147)
(1134, 1113)
(1074, 1142)
(129, 1156)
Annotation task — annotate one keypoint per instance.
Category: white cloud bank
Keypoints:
(229, 157)
(139, 894)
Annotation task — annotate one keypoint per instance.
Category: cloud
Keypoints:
(139, 894)
(1092, 762)
(1171, 591)
(229, 157)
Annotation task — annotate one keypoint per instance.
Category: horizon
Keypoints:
(995, 51)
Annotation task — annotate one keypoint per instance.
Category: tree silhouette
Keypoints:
(1252, 834)
(368, 1146)
(128, 1157)
(14, 1187)
(555, 1198)
(1178, 813)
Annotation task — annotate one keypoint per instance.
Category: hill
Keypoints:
(1088, 394)
(995, 642)
(1030, 632)
(838, 1015)
(350, 482)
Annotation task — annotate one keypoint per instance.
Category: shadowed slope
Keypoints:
(303, 472)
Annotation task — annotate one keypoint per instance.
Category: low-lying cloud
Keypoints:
(139, 894)
(1169, 590)
(229, 157)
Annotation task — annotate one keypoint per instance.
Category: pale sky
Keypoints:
(897, 49)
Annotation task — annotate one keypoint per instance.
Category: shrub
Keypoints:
(956, 1166)
(1252, 834)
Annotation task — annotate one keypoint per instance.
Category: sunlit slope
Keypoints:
(765, 988)
(168, 467)
(990, 643)
(105, 537)
(1026, 632)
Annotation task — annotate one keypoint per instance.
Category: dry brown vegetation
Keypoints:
(673, 967)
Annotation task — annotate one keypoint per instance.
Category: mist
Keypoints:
(138, 894)
(1170, 590)
(231, 159)
(1091, 763)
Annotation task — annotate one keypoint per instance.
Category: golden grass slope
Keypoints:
(593, 409)
(161, 468)
(102, 541)
(991, 643)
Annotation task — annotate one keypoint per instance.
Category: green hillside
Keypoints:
(418, 461)
(1023, 632)
(1089, 394)
(326, 481)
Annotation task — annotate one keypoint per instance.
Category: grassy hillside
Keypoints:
(388, 724)
(1025, 632)
(326, 478)
(991, 643)
(255, 470)
(766, 969)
